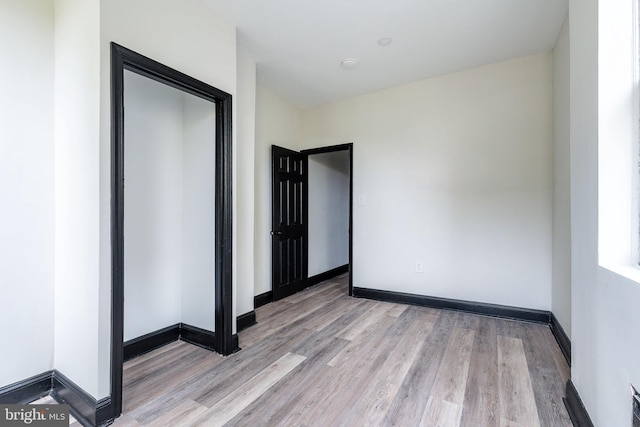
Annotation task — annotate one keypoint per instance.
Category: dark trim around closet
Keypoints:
(224, 341)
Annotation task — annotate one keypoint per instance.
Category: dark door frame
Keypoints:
(330, 149)
(224, 340)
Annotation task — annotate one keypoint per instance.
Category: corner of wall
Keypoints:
(245, 180)
(561, 234)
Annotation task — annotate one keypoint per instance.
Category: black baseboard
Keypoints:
(577, 412)
(181, 331)
(495, 310)
(151, 341)
(82, 405)
(205, 339)
(262, 299)
(87, 410)
(245, 320)
(26, 391)
(318, 278)
(561, 337)
(198, 336)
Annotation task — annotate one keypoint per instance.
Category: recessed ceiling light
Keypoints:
(384, 41)
(349, 63)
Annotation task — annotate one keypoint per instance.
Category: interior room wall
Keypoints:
(605, 282)
(27, 189)
(198, 212)
(561, 282)
(456, 172)
(277, 123)
(245, 179)
(79, 308)
(153, 208)
(328, 211)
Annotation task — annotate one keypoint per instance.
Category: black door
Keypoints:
(289, 228)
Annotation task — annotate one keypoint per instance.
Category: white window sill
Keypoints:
(630, 272)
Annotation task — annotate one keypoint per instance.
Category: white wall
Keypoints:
(605, 277)
(277, 123)
(245, 180)
(561, 284)
(26, 189)
(169, 216)
(457, 173)
(328, 211)
(78, 304)
(583, 151)
(152, 205)
(198, 212)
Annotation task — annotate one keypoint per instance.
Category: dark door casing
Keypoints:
(289, 228)
(225, 342)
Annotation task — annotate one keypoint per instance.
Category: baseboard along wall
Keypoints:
(87, 410)
(180, 331)
(262, 299)
(561, 337)
(503, 311)
(151, 341)
(27, 390)
(245, 321)
(577, 412)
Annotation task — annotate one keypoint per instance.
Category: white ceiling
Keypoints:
(298, 44)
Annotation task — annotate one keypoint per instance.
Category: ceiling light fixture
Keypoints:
(349, 63)
(384, 41)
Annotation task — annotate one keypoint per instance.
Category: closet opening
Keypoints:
(171, 212)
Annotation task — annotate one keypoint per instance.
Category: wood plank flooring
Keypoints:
(321, 358)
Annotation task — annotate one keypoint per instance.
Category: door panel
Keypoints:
(289, 222)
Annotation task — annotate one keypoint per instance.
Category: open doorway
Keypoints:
(193, 181)
(328, 206)
(321, 180)
(169, 227)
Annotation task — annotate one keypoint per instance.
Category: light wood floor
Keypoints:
(321, 358)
